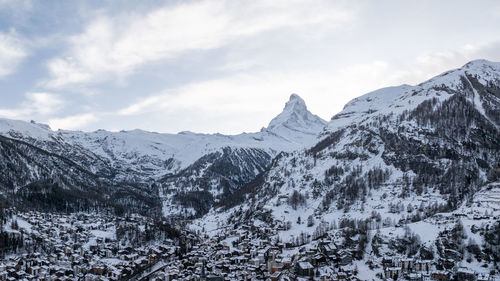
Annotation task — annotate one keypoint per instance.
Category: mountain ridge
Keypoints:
(435, 142)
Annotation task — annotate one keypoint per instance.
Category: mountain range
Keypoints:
(437, 142)
(129, 166)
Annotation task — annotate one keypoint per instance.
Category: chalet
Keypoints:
(341, 276)
(213, 278)
(387, 262)
(392, 272)
(345, 257)
(448, 263)
(465, 274)
(414, 276)
(440, 275)
(319, 259)
(329, 249)
(275, 276)
(304, 268)
(248, 254)
(276, 267)
(423, 265)
(483, 277)
(287, 262)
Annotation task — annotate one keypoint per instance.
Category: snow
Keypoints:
(24, 225)
(34, 130)
(112, 261)
(292, 130)
(109, 233)
(394, 100)
(184, 147)
(296, 118)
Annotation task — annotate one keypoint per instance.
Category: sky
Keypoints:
(223, 66)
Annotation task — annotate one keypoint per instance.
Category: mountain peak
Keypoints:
(295, 97)
(479, 62)
(295, 117)
(295, 103)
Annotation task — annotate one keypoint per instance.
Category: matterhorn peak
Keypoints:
(296, 117)
(295, 103)
(295, 98)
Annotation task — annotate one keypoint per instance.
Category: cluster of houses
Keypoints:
(250, 253)
(78, 247)
(425, 270)
(85, 247)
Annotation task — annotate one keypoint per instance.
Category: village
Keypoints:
(79, 247)
(102, 247)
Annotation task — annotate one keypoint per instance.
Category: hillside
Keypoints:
(397, 162)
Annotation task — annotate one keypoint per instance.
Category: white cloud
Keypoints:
(44, 106)
(12, 52)
(43, 103)
(113, 47)
(35, 104)
(72, 122)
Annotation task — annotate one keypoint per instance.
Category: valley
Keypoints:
(402, 184)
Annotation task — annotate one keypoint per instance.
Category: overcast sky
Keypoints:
(223, 66)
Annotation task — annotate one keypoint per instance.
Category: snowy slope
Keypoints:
(430, 146)
(19, 128)
(395, 100)
(292, 129)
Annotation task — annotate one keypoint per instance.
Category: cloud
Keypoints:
(72, 122)
(15, 5)
(35, 104)
(44, 106)
(114, 47)
(12, 52)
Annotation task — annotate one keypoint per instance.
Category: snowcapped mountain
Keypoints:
(150, 154)
(296, 124)
(214, 177)
(140, 157)
(423, 149)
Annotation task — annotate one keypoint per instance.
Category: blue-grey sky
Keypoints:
(223, 66)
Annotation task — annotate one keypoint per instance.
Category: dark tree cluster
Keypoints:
(408, 244)
(355, 234)
(297, 199)
(200, 201)
(492, 242)
(330, 140)
(129, 233)
(10, 242)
